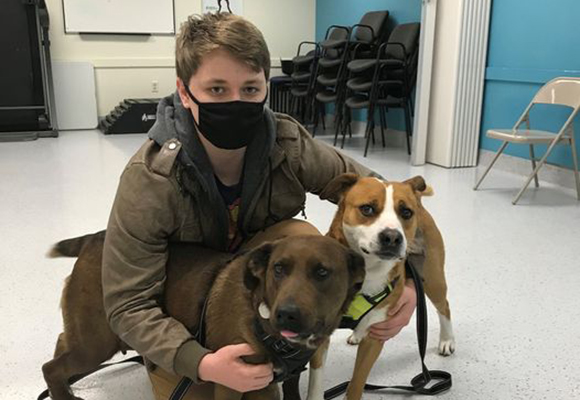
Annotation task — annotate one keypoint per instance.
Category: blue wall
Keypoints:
(529, 44)
(349, 12)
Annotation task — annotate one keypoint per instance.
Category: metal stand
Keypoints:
(47, 121)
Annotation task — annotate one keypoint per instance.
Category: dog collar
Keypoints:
(287, 357)
(363, 304)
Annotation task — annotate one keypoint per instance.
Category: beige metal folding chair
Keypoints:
(559, 91)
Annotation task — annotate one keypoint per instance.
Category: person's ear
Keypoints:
(185, 100)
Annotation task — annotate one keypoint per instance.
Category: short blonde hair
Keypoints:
(201, 34)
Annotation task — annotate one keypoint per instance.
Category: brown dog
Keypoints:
(304, 283)
(385, 222)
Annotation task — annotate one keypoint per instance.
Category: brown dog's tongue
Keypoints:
(288, 334)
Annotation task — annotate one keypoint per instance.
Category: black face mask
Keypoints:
(230, 125)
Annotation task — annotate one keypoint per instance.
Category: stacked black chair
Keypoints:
(305, 67)
(330, 80)
(339, 47)
(387, 81)
(279, 98)
(367, 36)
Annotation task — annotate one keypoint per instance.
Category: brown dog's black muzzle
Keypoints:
(289, 318)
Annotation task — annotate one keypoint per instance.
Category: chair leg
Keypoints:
(293, 102)
(350, 123)
(368, 136)
(575, 159)
(501, 149)
(323, 114)
(337, 125)
(535, 172)
(346, 126)
(383, 123)
(533, 158)
(372, 132)
(315, 119)
(303, 111)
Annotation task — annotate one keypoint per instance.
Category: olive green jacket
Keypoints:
(168, 192)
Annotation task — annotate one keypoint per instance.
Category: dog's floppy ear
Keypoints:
(336, 187)
(418, 184)
(256, 264)
(356, 270)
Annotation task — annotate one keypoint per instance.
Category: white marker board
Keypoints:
(119, 16)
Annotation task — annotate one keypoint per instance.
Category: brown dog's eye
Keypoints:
(278, 270)
(367, 210)
(406, 213)
(321, 272)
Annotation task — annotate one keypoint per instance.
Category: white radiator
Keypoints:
(467, 107)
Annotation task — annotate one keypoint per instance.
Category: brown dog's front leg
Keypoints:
(225, 393)
(291, 388)
(366, 356)
(270, 392)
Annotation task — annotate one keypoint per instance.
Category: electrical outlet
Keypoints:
(154, 86)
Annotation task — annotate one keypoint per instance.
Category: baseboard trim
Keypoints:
(548, 173)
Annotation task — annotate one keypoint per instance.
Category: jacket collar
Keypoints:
(176, 122)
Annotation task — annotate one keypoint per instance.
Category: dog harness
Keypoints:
(364, 304)
(289, 359)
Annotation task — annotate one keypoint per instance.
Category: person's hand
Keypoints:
(398, 317)
(227, 368)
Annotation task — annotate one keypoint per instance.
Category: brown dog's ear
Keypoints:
(257, 262)
(418, 184)
(356, 269)
(336, 187)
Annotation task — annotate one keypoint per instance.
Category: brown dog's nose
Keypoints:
(288, 317)
(390, 239)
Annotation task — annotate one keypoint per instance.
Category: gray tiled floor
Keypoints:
(513, 272)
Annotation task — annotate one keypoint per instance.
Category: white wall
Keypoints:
(125, 66)
(456, 101)
(446, 53)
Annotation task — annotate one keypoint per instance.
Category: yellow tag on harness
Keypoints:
(362, 304)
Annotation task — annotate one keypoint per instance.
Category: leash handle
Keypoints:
(419, 382)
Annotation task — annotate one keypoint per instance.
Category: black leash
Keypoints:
(420, 382)
(76, 378)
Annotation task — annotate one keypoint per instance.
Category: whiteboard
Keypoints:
(119, 16)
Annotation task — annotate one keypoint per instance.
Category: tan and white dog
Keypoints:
(386, 223)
